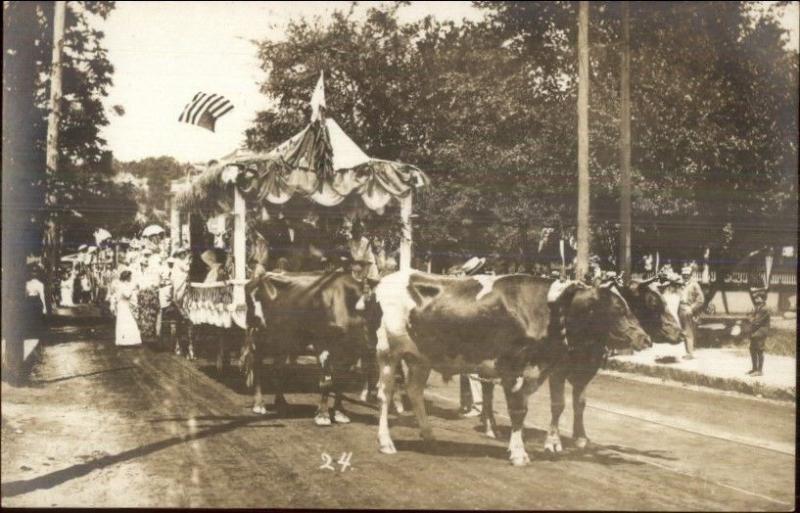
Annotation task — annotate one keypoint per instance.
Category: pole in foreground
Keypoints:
(625, 146)
(583, 141)
(52, 236)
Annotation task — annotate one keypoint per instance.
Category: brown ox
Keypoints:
(493, 325)
(309, 309)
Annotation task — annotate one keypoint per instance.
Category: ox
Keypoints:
(493, 325)
(309, 309)
(583, 361)
(587, 354)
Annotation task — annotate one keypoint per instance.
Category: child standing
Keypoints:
(759, 329)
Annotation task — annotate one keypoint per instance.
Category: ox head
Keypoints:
(601, 314)
(648, 305)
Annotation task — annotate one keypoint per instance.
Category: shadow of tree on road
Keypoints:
(46, 481)
(449, 448)
(297, 379)
(86, 375)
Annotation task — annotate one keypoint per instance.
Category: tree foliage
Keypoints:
(488, 110)
(155, 175)
(80, 193)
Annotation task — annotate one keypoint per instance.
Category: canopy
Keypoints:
(320, 162)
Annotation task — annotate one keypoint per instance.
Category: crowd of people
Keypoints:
(137, 281)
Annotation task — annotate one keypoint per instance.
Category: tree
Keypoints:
(84, 163)
(714, 107)
(156, 173)
(487, 109)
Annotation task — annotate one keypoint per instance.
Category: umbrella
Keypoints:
(100, 235)
(153, 229)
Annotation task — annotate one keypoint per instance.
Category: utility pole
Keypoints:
(18, 157)
(625, 146)
(52, 238)
(583, 141)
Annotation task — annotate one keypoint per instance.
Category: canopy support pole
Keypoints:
(406, 206)
(239, 314)
(239, 247)
(174, 225)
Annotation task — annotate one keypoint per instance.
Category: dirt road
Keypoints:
(106, 426)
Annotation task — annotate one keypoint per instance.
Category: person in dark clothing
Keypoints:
(759, 329)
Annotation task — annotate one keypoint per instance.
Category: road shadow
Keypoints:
(52, 479)
(41, 382)
(596, 453)
(88, 332)
(210, 421)
(449, 448)
(656, 454)
(297, 379)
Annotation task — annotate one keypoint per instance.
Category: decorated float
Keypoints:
(320, 163)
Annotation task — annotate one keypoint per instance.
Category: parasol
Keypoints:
(151, 230)
(100, 235)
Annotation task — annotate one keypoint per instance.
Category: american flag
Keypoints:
(205, 109)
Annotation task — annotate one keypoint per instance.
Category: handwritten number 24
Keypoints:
(344, 461)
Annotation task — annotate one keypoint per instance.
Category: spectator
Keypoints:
(127, 332)
(469, 385)
(692, 301)
(67, 286)
(85, 290)
(35, 304)
(759, 330)
(361, 251)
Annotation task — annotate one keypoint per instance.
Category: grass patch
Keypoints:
(780, 342)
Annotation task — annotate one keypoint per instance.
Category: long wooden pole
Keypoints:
(52, 240)
(625, 146)
(18, 198)
(582, 264)
(406, 205)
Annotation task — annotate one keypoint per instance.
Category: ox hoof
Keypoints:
(489, 433)
(323, 420)
(581, 442)
(340, 418)
(520, 460)
(388, 448)
(427, 435)
(261, 409)
(552, 445)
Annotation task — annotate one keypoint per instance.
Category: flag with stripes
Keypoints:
(205, 109)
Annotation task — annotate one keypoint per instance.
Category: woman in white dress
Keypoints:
(67, 289)
(127, 332)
